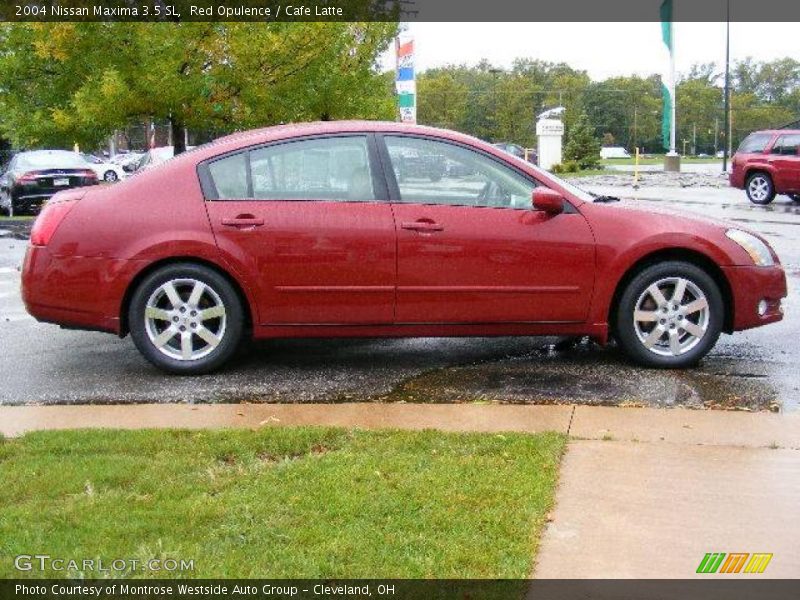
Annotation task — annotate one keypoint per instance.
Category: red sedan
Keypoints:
(381, 229)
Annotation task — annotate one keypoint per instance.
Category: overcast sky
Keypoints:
(602, 49)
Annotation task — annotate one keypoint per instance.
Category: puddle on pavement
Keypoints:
(15, 229)
(588, 374)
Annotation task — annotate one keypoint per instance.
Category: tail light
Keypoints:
(88, 174)
(29, 177)
(48, 221)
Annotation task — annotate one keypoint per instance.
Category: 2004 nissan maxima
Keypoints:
(312, 231)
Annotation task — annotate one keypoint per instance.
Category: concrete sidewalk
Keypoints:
(643, 493)
(653, 510)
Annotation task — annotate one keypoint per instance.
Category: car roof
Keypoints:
(278, 132)
(778, 131)
(49, 152)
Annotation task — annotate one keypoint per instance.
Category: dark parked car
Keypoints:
(518, 151)
(767, 163)
(309, 231)
(33, 177)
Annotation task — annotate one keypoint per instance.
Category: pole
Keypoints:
(716, 136)
(727, 84)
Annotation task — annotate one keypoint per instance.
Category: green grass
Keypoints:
(658, 160)
(587, 173)
(16, 218)
(281, 502)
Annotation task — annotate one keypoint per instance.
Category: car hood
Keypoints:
(678, 219)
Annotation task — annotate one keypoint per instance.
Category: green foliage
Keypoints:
(282, 502)
(568, 166)
(62, 83)
(501, 105)
(582, 146)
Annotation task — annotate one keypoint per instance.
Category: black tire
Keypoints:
(229, 327)
(755, 183)
(110, 176)
(636, 293)
(795, 197)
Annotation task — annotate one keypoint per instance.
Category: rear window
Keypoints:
(50, 160)
(755, 142)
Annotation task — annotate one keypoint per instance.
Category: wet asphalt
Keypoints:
(752, 370)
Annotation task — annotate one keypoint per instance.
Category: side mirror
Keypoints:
(548, 200)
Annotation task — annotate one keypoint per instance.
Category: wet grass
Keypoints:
(280, 502)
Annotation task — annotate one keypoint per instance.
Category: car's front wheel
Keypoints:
(760, 189)
(670, 315)
(110, 176)
(186, 319)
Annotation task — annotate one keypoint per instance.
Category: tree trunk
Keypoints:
(178, 141)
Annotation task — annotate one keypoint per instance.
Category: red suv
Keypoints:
(326, 230)
(768, 163)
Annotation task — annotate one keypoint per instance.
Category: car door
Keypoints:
(785, 158)
(471, 249)
(308, 223)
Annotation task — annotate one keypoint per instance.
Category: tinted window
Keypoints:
(433, 172)
(230, 176)
(755, 142)
(327, 168)
(50, 159)
(786, 144)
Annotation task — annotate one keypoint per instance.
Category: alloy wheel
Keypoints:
(759, 188)
(185, 319)
(671, 316)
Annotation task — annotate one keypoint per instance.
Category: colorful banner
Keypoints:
(405, 80)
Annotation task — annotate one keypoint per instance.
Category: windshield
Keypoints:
(50, 159)
(755, 142)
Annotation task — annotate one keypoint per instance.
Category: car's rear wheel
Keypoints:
(670, 315)
(110, 176)
(186, 318)
(760, 189)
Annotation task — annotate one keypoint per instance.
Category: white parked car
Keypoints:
(127, 160)
(156, 156)
(106, 171)
(614, 152)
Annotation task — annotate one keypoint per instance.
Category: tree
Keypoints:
(582, 147)
(62, 83)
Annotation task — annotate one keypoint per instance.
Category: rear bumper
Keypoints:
(75, 292)
(749, 286)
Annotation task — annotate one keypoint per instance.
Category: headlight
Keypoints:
(757, 249)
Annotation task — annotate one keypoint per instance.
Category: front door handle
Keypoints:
(243, 221)
(423, 225)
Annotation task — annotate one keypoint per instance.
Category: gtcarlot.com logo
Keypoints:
(734, 562)
(45, 562)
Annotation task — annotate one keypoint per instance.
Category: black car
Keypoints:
(32, 177)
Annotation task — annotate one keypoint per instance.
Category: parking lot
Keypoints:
(754, 370)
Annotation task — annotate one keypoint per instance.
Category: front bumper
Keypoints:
(749, 286)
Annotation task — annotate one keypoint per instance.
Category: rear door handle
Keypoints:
(422, 225)
(243, 221)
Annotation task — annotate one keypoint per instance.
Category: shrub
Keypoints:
(582, 147)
